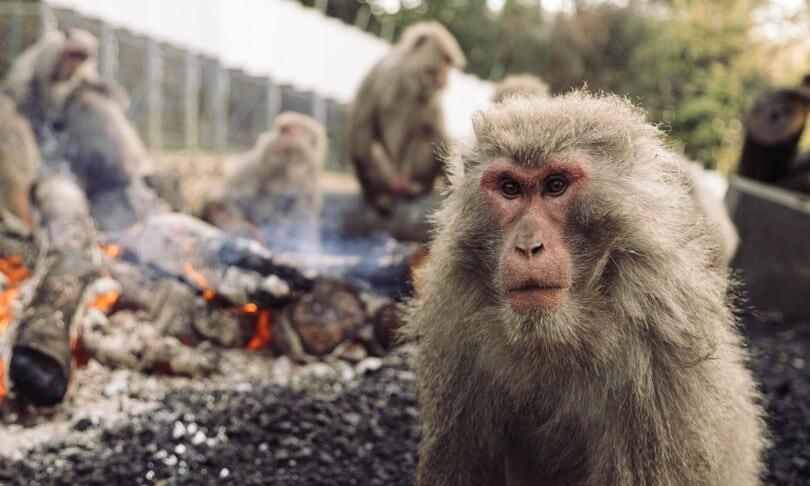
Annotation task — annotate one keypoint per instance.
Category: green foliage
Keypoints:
(696, 74)
(690, 63)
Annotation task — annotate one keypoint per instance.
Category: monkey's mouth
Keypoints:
(533, 297)
(535, 287)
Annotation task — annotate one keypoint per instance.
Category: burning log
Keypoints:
(314, 325)
(41, 356)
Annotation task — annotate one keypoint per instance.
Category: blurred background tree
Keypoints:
(695, 66)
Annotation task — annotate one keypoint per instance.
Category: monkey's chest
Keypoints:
(551, 456)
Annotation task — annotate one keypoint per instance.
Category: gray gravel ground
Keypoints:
(267, 422)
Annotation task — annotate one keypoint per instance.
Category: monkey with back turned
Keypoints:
(575, 328)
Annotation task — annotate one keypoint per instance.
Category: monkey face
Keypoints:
(532, 206)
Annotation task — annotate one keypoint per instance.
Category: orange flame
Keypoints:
(264, 332)
(12, 268)
(6, 310)
(3, 390)
(110, 249)
(105, 301)
(209, 294)
(14, 271)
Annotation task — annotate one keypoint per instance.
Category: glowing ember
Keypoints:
(250, 308)
(110, 249)
(12, 267)
(104, 302)
(264, 333)
(208, 294)
(196, 276)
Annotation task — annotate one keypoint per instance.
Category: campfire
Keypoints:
(165, 294)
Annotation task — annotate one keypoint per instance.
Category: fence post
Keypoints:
(107, 52)
(154, 65)
(273, 102)
(319, 108)
(220, 108)
(191, 106)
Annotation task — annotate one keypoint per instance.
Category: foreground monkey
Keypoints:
(396, 123)
(276, 186)
(574, 328)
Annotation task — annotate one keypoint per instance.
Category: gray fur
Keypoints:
(639, 378)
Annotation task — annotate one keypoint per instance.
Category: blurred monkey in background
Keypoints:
(396, 123)
(274, 194)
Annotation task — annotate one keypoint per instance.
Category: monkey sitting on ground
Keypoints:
(524, 85)
(50, 69)
(274, 195)
(396, 123)
(574, 328)
(80, 118)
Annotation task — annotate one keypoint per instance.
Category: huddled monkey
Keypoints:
(80, 118)
(19, 161)
(274, 194)
(47, 71)
(396, 124)
(520, 85)
(575, 327)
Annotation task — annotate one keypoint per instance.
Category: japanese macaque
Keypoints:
(524, 85)
(575, 328)
(45, 73)
(19, 162)
(107, 156)
(80, 118)
(396, 124)
(274, 194)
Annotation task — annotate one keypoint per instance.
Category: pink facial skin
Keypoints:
(532, 205)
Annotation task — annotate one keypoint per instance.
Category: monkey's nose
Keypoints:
(528, 247)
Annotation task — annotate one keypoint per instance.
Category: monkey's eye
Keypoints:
(510, 188)
(555, 185)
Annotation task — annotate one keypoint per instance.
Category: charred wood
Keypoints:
(207, 258)
(315, 324)
(41, 356)
(774, 127)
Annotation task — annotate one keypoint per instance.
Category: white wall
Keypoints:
(277, 38)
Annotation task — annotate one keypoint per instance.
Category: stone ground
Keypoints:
(265, 421)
